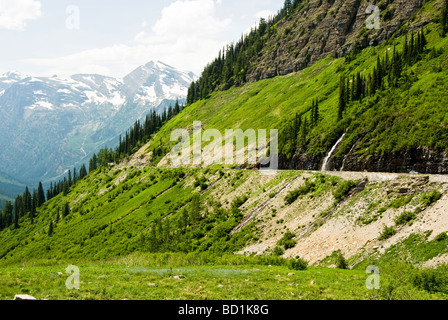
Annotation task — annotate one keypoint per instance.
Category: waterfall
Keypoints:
(324, 166)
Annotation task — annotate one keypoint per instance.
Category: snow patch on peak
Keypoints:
(42, 104)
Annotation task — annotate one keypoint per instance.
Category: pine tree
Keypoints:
(304, 130)
(412, 51)
(353, 89)
(18, 211)
(347, 91)
(7, 213)
(33, 206)
(16, 220)
(82, 172)
(423, 41)
(342, 98)
(93, 163)
(374, 82)
(406, 50)
(176, 107)
(40, 200)
(66, 211)
(69, 178)
(50, 192)
(75, 178)
(359, 86)
(380, 73)
(287, 7)
(296, 129)
(27, 200)
(50, 228)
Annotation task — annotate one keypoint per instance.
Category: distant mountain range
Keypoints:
(50, 124)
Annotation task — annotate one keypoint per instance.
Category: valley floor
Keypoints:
(144, 282)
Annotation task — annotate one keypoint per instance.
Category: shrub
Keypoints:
(343, 189)
(301, 191)
(278, 251)
(431, 197)
(298, 264)
(400, 202)
(432, 280)
(204, 186)
(239, 201)
(442, 237)
(287, 241)
(405, 217)
(387, 233)
(341, 263)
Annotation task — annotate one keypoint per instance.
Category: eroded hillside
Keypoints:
(139, 208)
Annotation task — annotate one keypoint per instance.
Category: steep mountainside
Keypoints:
(373, 109)
(303, 33)
(319, 28)
(128, 208)
(391, 116)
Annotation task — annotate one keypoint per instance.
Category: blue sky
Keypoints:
(113, 37)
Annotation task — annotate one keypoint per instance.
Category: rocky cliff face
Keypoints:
(420, 160)
(324, 27)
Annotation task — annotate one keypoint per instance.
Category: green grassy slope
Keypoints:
(124, 213)
(413, 115)
(137, 281)
(116, 211)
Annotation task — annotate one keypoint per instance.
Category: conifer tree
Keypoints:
(75, 178)
(50, 228)
(66, 211)
(412, 51)
(406, 49)
(40, 200)
(57, 215)
(347, 91)
(304, 130)
(16, 220)
(82, 172)
(353, 89)
(7, 213)
(18, 211)
(423, 41)
(27, 200)
(69, 182)
(342, 98)
(359, 86)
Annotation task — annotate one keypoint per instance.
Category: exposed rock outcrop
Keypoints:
(327, 27)
(419, 160)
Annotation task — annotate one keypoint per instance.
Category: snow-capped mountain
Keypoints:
(50, 124)
(154, 82)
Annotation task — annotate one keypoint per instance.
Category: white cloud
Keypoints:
(185, 36)
(264, 14)
(15, 14)
(187, 19)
